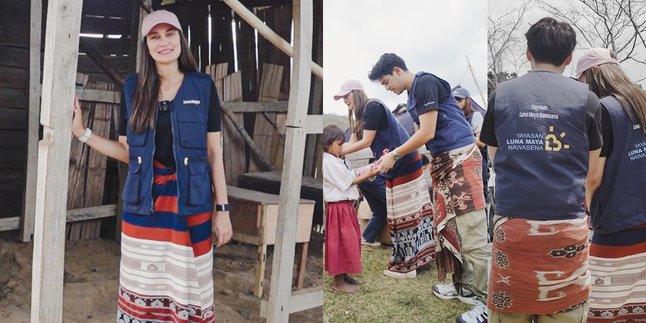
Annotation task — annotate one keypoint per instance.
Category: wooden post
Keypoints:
(281, 277)
(29, 196)
(61, 56)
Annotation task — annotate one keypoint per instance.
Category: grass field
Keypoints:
(389, 300)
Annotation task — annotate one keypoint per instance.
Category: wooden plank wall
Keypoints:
(265, 134)
(313, 151)
(14, 94)
(87, 170)
(229, 89)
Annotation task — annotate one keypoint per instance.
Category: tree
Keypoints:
(615, 24)
(503, 44)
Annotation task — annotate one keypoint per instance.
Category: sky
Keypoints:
(431, 36)
(498, 7)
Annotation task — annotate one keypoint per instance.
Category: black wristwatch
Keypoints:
(221, 207)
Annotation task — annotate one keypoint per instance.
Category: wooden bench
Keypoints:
(254, 217)
(269, 182)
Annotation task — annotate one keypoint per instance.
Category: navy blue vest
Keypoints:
(390, 139)
(452, 131)
(542, 157)
(620, 201)
(189, 114)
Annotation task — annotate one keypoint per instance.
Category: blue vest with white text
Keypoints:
(542, 157)
(189, 114)
(620, 201)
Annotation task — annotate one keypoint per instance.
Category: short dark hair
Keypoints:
(550, 41)
(331, 133)
(385, 65)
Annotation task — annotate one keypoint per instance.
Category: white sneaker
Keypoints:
(478, 314)
(448, 291)
(394, 274)
(370, 244)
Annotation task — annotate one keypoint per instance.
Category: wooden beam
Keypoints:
(61, 56)
(269, 34)
(91, 213)
(105, 96)
(301, 299)
(82, 214)
(85, 46)
(237, 107)
(8, 224)
(280, 300)
(31, 168)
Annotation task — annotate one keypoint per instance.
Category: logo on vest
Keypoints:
(196, 102)
(552, 142)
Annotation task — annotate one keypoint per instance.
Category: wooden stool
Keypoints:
(254, 217)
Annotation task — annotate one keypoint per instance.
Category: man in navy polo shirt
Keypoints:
(456, 170)
(543, 133)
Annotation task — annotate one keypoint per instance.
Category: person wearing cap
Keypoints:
(616, 191)
(544, 135)
(170, 139)
(409, 214)
(475, 120)
(404, 118)
(456, 171)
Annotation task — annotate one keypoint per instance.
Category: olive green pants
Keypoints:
(577, 315)
(472, 230)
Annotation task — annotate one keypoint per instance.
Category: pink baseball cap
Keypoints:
(347, 87)
(159, 17)
(593, 57)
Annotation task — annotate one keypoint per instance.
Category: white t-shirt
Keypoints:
(476, 122)
(337, 180)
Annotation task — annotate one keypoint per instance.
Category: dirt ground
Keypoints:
(92, 273)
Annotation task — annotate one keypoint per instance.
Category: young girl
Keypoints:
(342, 234)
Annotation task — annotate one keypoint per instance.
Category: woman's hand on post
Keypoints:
(222, 227)
(78, 128)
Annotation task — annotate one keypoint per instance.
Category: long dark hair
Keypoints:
(610, 79)
(143, 113)
(355, 116)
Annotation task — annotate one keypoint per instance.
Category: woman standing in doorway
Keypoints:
(170, 139)
(410, 219)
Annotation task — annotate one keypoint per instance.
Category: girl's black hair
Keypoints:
(331, 133)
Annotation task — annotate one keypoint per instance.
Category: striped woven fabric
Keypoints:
(410, 218)
(618, 269)
(166, 261)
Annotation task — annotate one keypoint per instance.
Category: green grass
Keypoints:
(390, 300)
